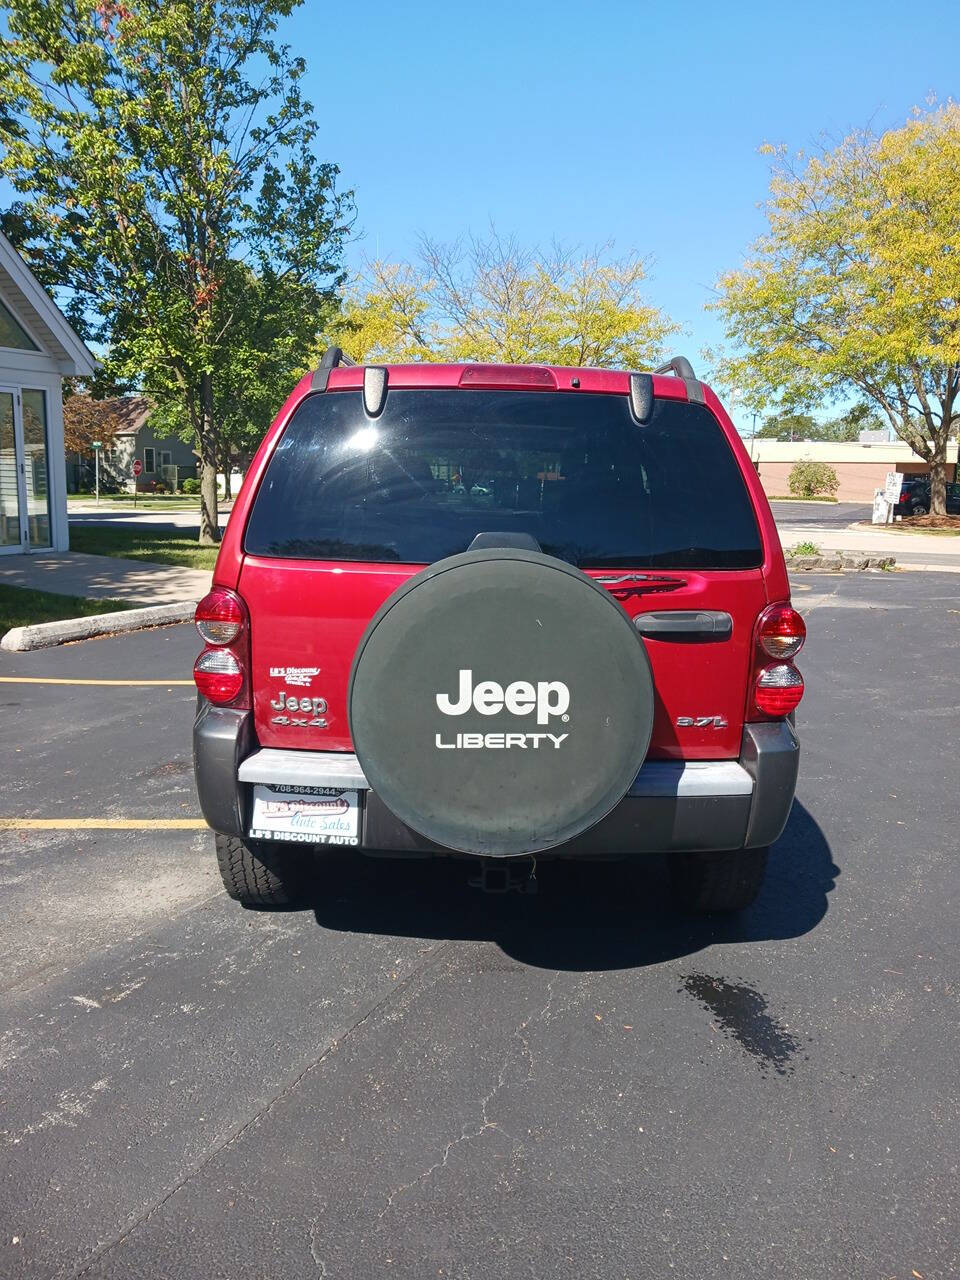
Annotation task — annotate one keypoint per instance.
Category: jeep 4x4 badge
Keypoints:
(548, 698)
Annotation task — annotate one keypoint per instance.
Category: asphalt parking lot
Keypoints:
(828, 515)
(411, 1079)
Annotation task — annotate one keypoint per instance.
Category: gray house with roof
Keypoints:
(38, 349)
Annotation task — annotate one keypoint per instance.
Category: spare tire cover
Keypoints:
(500, 702)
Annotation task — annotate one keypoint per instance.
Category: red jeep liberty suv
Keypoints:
(498, 612)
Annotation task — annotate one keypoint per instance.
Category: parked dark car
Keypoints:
(915, 497)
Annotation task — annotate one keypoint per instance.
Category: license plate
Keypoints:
(305, 815)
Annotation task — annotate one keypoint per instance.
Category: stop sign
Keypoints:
(137, 466)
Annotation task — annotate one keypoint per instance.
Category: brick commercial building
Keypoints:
(860, 467)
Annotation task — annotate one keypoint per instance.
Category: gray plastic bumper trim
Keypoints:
(771, 755)
(708, 804)
(221, 738)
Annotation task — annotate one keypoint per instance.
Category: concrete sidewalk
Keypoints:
(73, 573)
(911, 550)
(105, 515)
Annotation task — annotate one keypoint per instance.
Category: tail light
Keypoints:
(498, 375)
(778, 685)
(221, 673)
(219, 617)
(779, 689)
(781, 632)
(218, 675)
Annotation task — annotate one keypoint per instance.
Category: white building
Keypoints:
(38, 349)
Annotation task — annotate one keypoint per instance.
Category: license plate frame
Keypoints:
(305, 815)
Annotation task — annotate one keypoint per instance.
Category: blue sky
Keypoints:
(633, 122)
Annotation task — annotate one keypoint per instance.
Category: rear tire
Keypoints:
(260, 873)
(718, 881)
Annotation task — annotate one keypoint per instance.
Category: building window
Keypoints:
(12, 333)
(165, 457)
(35, 457)
(149, 461)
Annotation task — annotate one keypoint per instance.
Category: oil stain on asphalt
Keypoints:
(741, 1012)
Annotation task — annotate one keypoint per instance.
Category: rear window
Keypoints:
(440, 466)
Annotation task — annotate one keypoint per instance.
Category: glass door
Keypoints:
(13, 524)
(36, 481)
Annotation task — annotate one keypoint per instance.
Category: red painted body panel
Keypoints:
(311, 614)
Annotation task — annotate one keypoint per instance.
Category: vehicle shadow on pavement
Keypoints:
(585, 916)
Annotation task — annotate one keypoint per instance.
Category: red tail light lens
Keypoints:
(498, 375)
(218, 675)
(781, 632)
(220, 616)
(779, 689)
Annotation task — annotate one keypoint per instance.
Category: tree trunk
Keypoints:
(209, 518)
(938, 483)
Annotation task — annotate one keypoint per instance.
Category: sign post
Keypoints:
(97, 446)
(137, 468)
(891, 492)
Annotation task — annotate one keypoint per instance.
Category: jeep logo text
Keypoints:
(548, 698)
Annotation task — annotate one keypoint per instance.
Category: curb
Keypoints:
(44, 634)
(841, 560)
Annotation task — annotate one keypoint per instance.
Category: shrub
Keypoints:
(813, 480)
(191, 485)
(159, 487)
(805, 549)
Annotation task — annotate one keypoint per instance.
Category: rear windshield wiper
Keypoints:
(637, 583)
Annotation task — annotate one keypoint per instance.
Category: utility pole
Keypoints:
(97, 446)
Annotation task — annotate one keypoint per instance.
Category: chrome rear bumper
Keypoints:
(342, 769)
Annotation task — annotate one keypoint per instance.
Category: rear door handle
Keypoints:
(685, 622)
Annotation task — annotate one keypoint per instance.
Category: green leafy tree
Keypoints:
(856, 285)
(164, 154)
(492, 299)
(804, 426)
(860, 417)
(789, 426)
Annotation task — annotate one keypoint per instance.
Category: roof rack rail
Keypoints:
(331, 358)
(682, 367)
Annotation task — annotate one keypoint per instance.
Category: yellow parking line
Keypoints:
(51, 680)
(101, 824)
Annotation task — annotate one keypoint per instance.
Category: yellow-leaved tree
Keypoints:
(855, 287)
(495, 300)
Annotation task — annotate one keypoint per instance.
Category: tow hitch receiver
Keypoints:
(498, 875)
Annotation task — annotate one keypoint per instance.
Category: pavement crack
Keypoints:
(321, 1265)
(238, 1132)
(470, 1132)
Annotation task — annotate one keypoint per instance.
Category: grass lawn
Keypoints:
(792, 497)
(145, 501)
(21, 607)
(161, 546)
